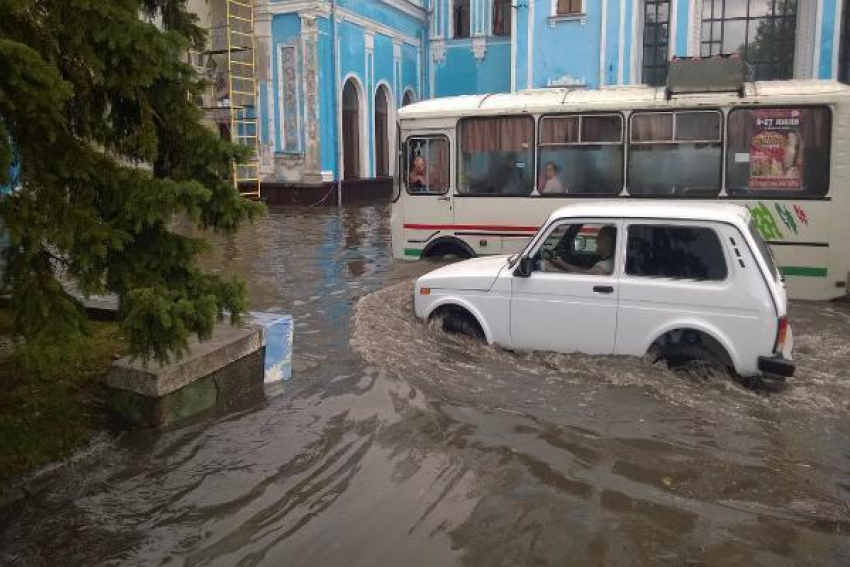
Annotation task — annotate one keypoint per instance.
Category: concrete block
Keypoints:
(278, 332)
(225, 372)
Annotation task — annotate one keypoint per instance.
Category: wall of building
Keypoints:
(407, 45)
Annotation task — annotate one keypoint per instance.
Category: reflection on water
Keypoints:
(395, 444)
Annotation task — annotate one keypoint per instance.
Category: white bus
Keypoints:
(479, 174)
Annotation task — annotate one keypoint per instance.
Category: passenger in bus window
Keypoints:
(550, 182)
(417, 177)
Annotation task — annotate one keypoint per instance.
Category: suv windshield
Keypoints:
(765, 251)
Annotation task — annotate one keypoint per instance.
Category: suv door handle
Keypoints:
(603, 288)
(446, 198)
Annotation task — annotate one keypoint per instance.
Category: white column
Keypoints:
(310, 78)
(263, 59)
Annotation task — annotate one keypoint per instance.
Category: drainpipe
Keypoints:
(336, 102)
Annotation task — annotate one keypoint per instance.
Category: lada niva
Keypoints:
(678, 281)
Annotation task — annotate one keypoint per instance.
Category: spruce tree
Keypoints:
(96, 103)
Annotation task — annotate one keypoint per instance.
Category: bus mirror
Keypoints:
(525, 267)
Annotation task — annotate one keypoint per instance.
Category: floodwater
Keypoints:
(395, 444)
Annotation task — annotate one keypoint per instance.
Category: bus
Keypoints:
(478, 174)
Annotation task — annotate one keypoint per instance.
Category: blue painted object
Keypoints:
(278, 332)
(409, 50)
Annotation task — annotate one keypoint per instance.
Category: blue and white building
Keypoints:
(332, 74)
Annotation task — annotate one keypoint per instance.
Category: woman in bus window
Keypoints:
(550, 182)
(417, 178)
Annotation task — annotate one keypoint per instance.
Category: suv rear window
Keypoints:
(677, 252)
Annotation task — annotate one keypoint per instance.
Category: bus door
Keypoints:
(426, 181)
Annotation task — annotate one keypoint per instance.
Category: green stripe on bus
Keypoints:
(412, 252)
(804, 271)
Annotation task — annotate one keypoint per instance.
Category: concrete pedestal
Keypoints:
(225, 372)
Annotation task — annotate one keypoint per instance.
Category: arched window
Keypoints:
(350, 130)
(382, 132)
(502, 17)
(408, 98)
(460, 18)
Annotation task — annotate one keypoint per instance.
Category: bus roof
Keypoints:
(620, 97)
(655, 209)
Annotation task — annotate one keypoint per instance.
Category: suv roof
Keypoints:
(673, 210)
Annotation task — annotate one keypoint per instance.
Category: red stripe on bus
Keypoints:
(488, 227)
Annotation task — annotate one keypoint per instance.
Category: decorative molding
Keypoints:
(672, 29)
(621, 40)
(567, 81)
(529, 66)
(310, 79)
(580, 18)
(636, 64)
(321, 8)
(408, 8)
(369, 40)
(312, 7)
(603, 47)
(695, 29)
(837, 29)
(479, 47)
(374, 27)
(817, 42)
(806, 48)
(438, 51)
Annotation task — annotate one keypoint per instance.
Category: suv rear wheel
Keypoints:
(692, 352)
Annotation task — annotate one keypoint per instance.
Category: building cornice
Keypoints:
(408, 8)
(321, 8)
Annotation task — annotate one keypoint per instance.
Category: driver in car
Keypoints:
(606, 243)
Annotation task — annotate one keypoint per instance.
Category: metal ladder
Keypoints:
(242, 85)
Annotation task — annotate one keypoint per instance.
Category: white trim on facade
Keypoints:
(836, 36)
(514, 9)
(672, 28)
(374, 27)
(391, 121)
(695, 17)
(621, 40)
(603, 42)
(530, 70)
(368, 87)
(408, 8)
(817, 42)
(635, 44)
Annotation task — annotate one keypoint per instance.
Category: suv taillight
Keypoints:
(781, 334)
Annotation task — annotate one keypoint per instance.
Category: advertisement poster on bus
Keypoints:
(776, 156)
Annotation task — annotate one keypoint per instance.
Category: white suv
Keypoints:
(679, 281)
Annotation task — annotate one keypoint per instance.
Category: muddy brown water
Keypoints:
(395, 444)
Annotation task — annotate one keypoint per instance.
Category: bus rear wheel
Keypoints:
(448, 248)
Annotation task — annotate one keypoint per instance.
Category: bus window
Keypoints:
(675, 154)
(580, 155)
(496, 156)
(778, 152)
(426, 161)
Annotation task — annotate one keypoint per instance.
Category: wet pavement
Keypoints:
(395, 444)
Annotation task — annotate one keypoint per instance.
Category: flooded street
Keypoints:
(395, 444)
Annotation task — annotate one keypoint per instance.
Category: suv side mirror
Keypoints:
(525, 267)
